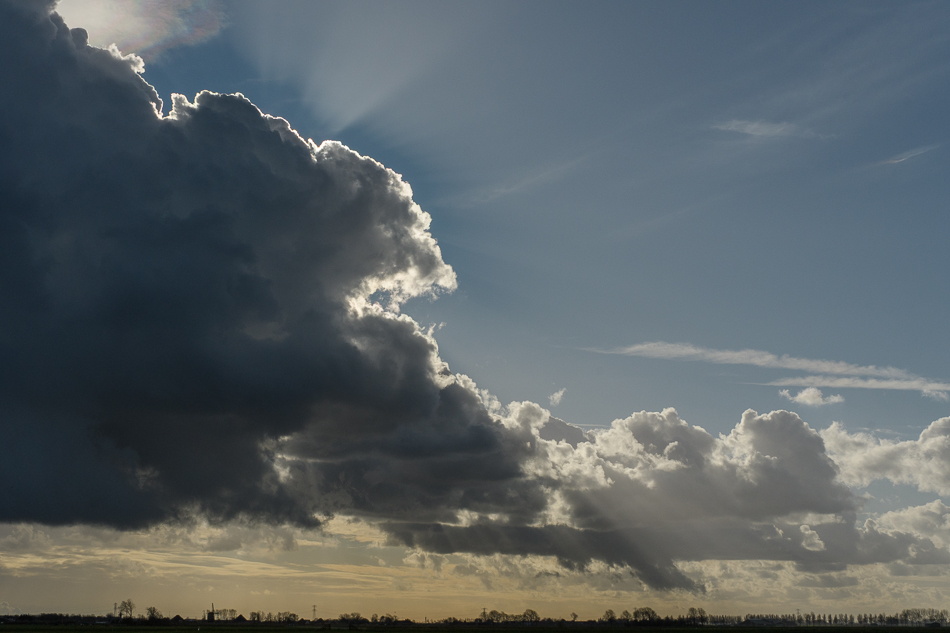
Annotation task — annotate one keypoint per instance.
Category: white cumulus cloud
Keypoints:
(863, 458)
(811, 397)
(931, 520)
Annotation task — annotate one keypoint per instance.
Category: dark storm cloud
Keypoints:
(572, 547)
(180, 293)
(199, 316)
(652, 551)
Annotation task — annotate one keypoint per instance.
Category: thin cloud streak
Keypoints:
(756, 358)
(763, 128)
(936, 390)
(490, 194)
(842, 374)
(900, 158)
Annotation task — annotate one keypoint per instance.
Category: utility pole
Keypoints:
(314, 612)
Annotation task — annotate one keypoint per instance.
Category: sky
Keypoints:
(421, 307)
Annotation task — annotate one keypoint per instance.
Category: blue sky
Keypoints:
(710, 207)
(727, 175)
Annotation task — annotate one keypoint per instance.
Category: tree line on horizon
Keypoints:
(641, 616)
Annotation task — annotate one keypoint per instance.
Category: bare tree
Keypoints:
(127, 608)
(645, 614)
(225, 614)
(153, 613)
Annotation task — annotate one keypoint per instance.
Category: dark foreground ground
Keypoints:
(573, 627)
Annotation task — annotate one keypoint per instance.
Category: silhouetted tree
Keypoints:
(645, 614)
(153, 614)
(127, 608)
(352, 617)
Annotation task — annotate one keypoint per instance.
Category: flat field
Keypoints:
(567, 627)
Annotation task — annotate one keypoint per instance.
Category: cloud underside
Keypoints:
(831, 374)
(199, 317)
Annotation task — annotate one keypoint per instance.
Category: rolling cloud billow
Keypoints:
(199, 316)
